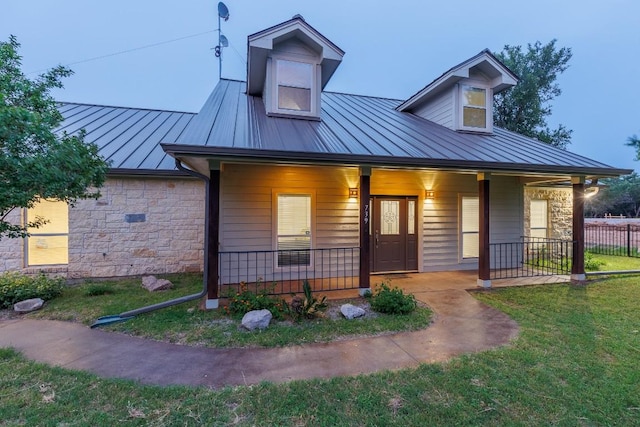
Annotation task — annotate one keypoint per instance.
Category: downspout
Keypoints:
(106, 320)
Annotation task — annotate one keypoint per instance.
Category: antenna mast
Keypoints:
(223, 13)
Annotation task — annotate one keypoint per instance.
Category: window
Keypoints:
(538, 219)
(474, 108)
(470, 219)
(411, 217)
(293, 240)
(48, 244)
(294, 85)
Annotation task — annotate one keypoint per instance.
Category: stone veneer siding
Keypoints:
(560, 214)
(102, 243)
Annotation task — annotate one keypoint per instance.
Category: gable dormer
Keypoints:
(462, 98)
(289, 65)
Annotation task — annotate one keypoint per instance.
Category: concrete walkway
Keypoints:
(461, 325)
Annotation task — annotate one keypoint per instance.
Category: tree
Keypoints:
(36, 162)
(620, 196)
(634, 141)
(525, 107)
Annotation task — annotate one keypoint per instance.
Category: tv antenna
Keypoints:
(223, 13)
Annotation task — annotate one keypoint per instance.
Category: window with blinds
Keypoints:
(539, 218)
(469, 227)
(48, 244)
(293, 239)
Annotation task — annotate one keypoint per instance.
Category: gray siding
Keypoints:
(440, 110)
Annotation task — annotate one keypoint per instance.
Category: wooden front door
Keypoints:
(394, 234)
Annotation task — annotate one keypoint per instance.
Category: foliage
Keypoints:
(98, 289)
(524, 108)
(246, 300)
(634, 142)
(36, 162)
(574, 362)
(619, 196)
(592, 263)
(16, 287)
(392, 301)
(309, 306)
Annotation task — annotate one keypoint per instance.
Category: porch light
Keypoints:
(353, 193)
(591, 191)
(429, 194)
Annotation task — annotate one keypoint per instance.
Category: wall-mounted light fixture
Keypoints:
(429, 194)
(353, 193)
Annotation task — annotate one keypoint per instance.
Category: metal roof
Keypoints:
(128, 137)
(363, 130)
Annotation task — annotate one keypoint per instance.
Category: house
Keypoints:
(275, 177)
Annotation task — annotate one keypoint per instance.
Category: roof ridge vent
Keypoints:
(298, 16)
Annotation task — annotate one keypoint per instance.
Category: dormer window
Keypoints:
(475, 112)
(295, 80)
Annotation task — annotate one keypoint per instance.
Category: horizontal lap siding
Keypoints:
(439, 110)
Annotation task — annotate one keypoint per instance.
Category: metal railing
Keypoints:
(283, 272)
(612, 239)
(531, 256)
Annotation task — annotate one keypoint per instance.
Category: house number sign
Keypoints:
(366, 214)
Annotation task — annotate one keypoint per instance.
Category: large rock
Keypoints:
(256, 319)
(153, 284)
(350, 311)
(28, 305)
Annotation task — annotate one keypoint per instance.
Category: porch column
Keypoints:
(365, 218)
(484, 256)
(212, 231)
(577, 266)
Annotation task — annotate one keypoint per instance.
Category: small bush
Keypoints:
(309, 306)
(591, 263)
(98, 289)
(16, 287)
(392, 301)
(247, 300)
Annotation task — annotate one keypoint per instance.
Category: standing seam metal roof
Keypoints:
(360, 126)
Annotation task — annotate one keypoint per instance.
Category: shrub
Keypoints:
(16, 287)
(246, 300)
(591, 263)
(309, 306)
(392, 301)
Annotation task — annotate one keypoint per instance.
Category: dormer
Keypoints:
(462, 98)
(288, 66)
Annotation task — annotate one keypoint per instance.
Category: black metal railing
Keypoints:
(283, 272)
(531, 256)
(612, 239)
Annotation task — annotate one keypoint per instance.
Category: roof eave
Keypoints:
(289, 157)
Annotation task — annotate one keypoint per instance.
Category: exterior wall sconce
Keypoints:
(429, 194)
(353, 193)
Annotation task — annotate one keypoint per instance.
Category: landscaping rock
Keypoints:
(153, 284)
(350, 311)
(28, 305)
(256, 319)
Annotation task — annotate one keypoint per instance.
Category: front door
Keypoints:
(394, 237)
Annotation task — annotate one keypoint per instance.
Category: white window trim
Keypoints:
(546, 226)
(488, 105)
(36, 234)
(274, 226)
(461, 258)
(271, 88)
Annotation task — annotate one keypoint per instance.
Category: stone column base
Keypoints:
(578, 278)
(211, 304)
(484, 283)
(364, 291)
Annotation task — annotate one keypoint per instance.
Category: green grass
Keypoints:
(617, 263)
(575, 363)
(187, 324)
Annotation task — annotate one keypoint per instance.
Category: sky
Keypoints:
(393, 49)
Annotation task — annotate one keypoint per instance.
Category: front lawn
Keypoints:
(575, 363)
(613, 263)
(187, 324)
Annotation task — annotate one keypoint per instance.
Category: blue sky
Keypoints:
(393, 49)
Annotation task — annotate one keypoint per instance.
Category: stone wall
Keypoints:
(12, 250)
(138, 226)
(560, 214)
